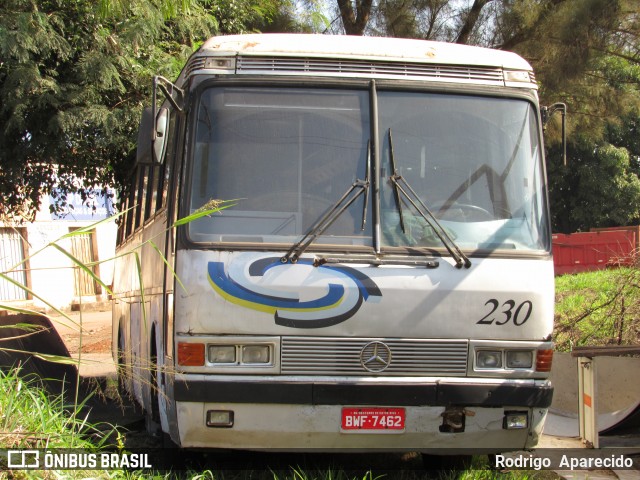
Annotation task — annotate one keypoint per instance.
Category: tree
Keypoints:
(626, 134)
(74, 77)
(586, 53)
(426, 19)
(354, 17)
(469, 19)
(301, 16)
(600, 189)
(573, 44)
(576, 48)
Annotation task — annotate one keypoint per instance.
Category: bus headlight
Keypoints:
(222, 353)
(489, 359)
(240, 354)
(256, 354)
(510, 359)
(519, 358)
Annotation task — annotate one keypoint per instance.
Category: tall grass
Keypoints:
(31, 418)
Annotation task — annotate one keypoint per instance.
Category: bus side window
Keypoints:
(141, 187)
(158, 187)
(121, 221)
(150, 198)
(130, 211)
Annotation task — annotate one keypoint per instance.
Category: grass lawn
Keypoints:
(598, 308)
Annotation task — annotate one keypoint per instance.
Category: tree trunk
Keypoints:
(471, 20)
(354, 21)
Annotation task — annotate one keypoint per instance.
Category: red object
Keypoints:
(373, 419)
(190, 354)
(544, 360)
(595, 250)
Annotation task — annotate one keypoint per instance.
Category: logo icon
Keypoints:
(375, 357)
(21, 459)
(298, 295)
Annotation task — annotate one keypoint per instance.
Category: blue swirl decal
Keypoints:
(333, 293)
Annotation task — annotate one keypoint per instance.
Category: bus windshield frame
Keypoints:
(286, 153)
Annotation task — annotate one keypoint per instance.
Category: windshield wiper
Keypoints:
(399, 185)
(366, 190)
(359, 187)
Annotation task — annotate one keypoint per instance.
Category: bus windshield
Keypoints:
(287, 155)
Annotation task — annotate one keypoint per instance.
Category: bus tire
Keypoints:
(152, 414)
(121, 367)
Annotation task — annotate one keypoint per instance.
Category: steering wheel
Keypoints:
(462, 212)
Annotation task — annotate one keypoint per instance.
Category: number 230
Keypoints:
(510, 313)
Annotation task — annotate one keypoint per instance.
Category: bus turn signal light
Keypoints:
(190, 354)
(544, 359)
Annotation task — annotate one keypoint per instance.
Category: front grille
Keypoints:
(341, 356)
(348, 67)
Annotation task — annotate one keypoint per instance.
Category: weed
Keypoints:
(598, 308)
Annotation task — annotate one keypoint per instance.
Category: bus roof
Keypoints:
(333, 56)
(364, 48)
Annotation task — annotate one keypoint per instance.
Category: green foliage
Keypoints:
(586, 53)
(30, 418)
(72, 85)
(303, 16)
(426, 19)
(626, 134)
(74, 77)
(600, 189)
(598, 308)
(243, 16)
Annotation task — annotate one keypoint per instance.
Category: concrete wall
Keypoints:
(51, 273)
(616, 382)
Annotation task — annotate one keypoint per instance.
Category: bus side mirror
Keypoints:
(144, 155)
(156, 121)
(547, 113)
(152, 136)
(160, 135)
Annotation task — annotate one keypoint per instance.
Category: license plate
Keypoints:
(374, 419)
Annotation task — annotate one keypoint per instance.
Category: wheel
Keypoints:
(152, 414)
(121, 367)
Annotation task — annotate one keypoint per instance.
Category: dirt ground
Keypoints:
(92, 330)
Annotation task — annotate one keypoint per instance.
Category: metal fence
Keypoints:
(11, 255)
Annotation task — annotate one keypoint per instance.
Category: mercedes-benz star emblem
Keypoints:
(375, 357)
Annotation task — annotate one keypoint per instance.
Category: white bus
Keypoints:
(384, 278)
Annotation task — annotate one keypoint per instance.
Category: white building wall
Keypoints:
(51, 272)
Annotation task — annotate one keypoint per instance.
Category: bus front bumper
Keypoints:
(305, 414)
